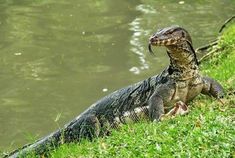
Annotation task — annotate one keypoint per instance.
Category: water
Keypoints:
(58, 57)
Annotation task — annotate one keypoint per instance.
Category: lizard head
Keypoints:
(174, 38)
(170, 36)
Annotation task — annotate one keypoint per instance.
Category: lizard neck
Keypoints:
(183, 62)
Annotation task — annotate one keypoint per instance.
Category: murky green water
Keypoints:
(58, 57)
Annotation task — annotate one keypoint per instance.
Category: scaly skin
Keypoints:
(183, 81)
(169, 91)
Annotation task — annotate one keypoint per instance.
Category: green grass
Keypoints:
(207, 131)
(222, 65)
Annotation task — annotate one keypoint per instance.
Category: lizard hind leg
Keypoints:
(213, 88)
(90, 128)
(180, 108)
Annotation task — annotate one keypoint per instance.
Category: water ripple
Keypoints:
(137, 45)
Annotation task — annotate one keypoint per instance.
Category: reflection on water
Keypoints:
(137, 45)
(58, 57)
(139, 35)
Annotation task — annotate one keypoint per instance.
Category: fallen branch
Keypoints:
(212, 44)
(208, 55)
(206, 47)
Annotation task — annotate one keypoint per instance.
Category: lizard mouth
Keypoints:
(160, 42)
(153, 41)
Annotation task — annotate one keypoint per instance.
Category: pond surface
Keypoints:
(58, 57)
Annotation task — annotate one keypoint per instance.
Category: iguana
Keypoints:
(168, 92)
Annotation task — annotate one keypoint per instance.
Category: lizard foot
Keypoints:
(180, 109)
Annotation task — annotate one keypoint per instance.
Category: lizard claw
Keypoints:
(180, 109)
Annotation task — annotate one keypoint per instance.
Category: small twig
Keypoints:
(206, 47)
(221, 101)
(225, 23)
(207, 55)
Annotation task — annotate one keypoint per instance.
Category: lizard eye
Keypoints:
(183, 34)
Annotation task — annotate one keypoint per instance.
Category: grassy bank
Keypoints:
(207, 131)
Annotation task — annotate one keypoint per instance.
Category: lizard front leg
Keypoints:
(212, 88)
(156, 107)
(163, 94)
